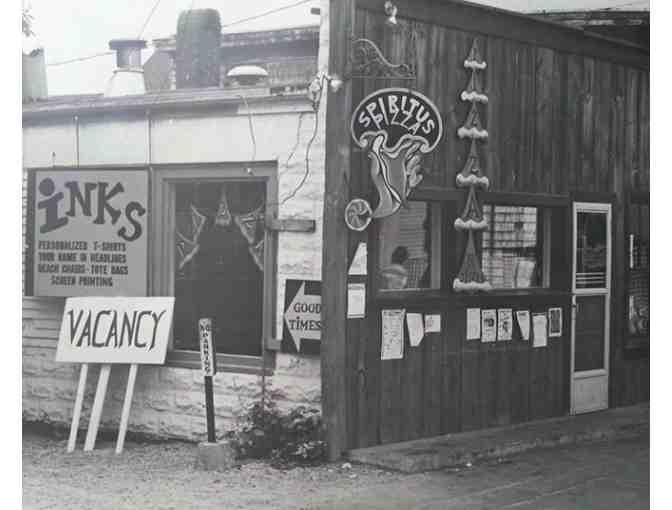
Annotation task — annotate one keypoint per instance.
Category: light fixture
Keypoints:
(247, 74)
(391, 11)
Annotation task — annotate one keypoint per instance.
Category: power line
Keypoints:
(149, 17)
(263, 14)
(80, 59)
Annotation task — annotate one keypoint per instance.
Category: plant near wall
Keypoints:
(264, 431)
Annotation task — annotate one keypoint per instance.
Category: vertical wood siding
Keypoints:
(558, 123)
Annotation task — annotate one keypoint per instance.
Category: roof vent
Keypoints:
(246, 75)
(128, 77)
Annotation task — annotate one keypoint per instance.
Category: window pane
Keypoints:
(591, 250)
(638, 275)
(406, 242)
(511, 247)
(219, 254)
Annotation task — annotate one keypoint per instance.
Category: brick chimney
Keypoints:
(197, 47)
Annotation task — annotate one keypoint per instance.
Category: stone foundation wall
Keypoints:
(168, 402)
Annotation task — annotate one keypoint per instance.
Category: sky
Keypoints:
(70, 29)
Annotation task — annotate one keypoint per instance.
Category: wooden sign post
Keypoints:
(112, 330)
(209, 367)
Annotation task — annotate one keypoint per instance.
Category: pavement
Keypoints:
(610, 471)
(501, 442)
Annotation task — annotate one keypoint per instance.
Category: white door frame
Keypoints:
(598, 379)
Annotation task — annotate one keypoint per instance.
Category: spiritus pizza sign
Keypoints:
(90, 233)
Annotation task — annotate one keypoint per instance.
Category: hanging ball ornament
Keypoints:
(358, 214)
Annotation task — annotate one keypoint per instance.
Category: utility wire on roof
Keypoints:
(237, 22)
(149, 17)
(264, 14)
(80, 59)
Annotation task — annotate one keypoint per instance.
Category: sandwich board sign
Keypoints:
(302, 321)
(112, 330)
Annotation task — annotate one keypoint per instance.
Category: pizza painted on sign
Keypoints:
(90, 233)
(396, 126)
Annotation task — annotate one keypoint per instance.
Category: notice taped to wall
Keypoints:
(416, 328)
(554, 322)
(539, 325)
(473, 323)
(433, 323)
(90, 233)
(523, 318)
(392, 334)
(356, 300)
(488, 325)
(504, 324)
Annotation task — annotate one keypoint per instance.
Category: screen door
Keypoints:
(591, 293)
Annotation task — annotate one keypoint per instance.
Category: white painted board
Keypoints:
(115, 330)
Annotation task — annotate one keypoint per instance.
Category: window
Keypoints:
(219, 264)
(516, 246)
(638, 270)
(409, 248)
(214, 253)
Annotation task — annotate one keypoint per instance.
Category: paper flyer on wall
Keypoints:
(473, 323)
(356, 300)
(358, 265)
(554, 322)
(433, 323)
(539, 322)
(416, 328)
(392, 334)
(523, 318)
(504, 323)
(488, 325)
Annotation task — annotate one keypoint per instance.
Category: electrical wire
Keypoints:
(149, 17)
(251, 126)
(80, 59)
(296, 144)
(264, 14)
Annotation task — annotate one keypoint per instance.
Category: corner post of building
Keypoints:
(334, 265)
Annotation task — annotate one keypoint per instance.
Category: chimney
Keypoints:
(197, 46)
(34, 79)
(128, 77)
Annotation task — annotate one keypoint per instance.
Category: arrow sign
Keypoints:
(303, 316)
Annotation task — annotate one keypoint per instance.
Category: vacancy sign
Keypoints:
(302, 317)
(115, 330)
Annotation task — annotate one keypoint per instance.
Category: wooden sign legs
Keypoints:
(74, 426)
(126, 410)
(97, 409)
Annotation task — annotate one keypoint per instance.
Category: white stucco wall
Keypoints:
(168, 401)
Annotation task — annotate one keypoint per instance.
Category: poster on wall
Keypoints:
(90, 233)
(554, 322)
(488, 325)
(539, 330)
(115, 330)
(473, 323)
(392, 334)
(523, 318)
(416, 328)
(302, 317)
(504, 323)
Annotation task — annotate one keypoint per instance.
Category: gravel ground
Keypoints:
(162, 475)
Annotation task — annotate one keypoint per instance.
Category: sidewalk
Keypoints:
(497, 443)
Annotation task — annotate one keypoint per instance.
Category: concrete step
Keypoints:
(495, 443)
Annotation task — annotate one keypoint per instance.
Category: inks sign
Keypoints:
(115, 330)
(397, 127)
(90, 233)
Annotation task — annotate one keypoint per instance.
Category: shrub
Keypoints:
(265, 432)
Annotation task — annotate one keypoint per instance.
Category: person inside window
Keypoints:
(395, 276)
